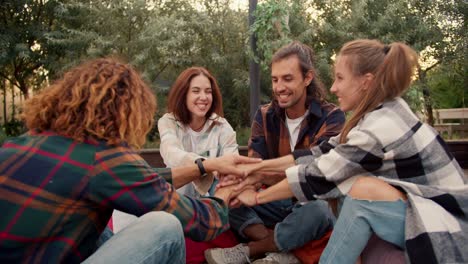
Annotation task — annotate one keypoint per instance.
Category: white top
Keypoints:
(180, 145)
(195, 136)
(294, 126)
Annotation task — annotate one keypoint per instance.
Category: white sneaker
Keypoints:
(235, 255)
(278, 258)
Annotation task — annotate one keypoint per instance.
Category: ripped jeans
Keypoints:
(357, 221)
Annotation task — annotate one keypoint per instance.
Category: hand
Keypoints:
(271, 177)
(259, 178)
(251, 167)
(228, 164)
(226, 194)
(274, 167)
(227, 180)
(248, 197)
(235, 203)
(251, 180)
(229, 195)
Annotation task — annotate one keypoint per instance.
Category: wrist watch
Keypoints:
(199, 163)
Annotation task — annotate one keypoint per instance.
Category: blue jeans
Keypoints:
(294, 224)
(357, 221)
(105, 235)
(156, 237)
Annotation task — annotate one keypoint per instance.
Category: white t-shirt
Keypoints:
(294, 126)
(195, 136)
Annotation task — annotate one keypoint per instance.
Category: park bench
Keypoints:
(453, 121)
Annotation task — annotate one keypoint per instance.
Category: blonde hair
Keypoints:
(392, 66)
(103, 99)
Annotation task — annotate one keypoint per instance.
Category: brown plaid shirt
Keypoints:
(270, 136)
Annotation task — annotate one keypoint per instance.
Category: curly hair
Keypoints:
(178, 94)
(103, 99)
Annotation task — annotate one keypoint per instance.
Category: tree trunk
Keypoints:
(13, 106)
(254, 67)
(24, 89)
(5, 113)
(426, 96)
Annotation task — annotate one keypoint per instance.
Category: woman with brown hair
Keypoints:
(61, 180)
(194, 129)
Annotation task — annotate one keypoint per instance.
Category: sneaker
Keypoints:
(235, 255)
(278, 258)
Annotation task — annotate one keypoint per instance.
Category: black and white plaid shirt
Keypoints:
(392, 144)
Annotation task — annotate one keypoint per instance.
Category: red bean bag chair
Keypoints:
(310, 253)
(195, 250)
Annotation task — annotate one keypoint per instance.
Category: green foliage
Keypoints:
(413, 98)
(3, 136)
(164, 40)
(242, 135)
(33, 39)
(448, 84)
(152, 144)
(432, 27)
(40, 39)
(437, 28)
(271, 28)
(13, 128)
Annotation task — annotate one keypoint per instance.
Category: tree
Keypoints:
(164, 37)
(32, 40)
(4, 99)
(432, 27)
(277, 23)
(223, 44)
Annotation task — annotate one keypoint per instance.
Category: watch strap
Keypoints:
(201, 168)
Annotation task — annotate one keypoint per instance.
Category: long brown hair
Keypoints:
(306, 57)
(392, 66)
(176, 100)
(102, 99)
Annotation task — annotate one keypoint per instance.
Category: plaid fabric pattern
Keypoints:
(270, 136)
(57, 195)
(392, 144)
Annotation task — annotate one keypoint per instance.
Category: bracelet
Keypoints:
(256, 199)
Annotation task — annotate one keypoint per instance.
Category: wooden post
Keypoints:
(5, 112)
(254, 68)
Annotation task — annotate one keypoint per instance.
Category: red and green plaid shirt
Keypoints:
(57, 195)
